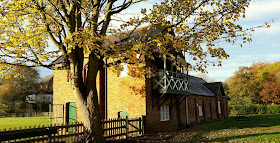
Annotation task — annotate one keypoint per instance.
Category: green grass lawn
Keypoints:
(260, 128)
(22, 122)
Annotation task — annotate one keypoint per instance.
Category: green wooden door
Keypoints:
(72, 112)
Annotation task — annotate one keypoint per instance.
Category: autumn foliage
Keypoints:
(79, 30)
(258, 83)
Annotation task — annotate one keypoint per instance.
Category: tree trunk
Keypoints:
(91, 118)
(87, 95)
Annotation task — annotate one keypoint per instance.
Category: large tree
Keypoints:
(246, 83)
(78, 28)
(271, 92)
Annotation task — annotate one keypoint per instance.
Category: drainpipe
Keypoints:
(165, 76)
(106, 112)
(187, 110)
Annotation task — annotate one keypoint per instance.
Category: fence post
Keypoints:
(140, 128)
(143, 124)
(49, 136)
(126, 126)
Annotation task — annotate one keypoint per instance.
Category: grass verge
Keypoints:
(260, 128)
(22, 122)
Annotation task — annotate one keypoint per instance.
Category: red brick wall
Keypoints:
(182, 113)
(207, 108)
(214, 108)
(209, 105)
(220, 98)
(192, 109)
(226, 107)
(153, 123)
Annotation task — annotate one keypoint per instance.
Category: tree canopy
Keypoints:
(79, 29)
(258, 83)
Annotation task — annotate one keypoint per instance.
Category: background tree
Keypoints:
(19, 82)
(271, 91)
(78, 28)
(258, 83)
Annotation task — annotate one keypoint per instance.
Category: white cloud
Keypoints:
(273, 30)
(262, 10)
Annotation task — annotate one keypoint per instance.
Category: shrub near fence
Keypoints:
(255, 109)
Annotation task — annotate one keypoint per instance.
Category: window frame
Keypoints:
(219, 107)
(164, 113)
(124, 72)
(200, 110)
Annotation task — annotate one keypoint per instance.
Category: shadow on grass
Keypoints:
(254, 121)
(197, 133)
(225, 139)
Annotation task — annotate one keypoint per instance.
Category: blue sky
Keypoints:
(264, 46)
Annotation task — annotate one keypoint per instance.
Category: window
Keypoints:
(164, 113)
(200, 110)
(219, 107)
(124, 72)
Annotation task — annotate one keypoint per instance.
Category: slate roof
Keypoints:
(216, 87)
(213, 87)
(196, 87)
(60, 60)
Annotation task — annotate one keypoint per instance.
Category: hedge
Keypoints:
(255, 109)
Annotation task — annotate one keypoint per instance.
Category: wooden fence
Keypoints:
(53, 133)
(113, 129)
(123, 127)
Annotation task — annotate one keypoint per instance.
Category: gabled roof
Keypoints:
(47, 79)
(216, 88)
(196, 87)
(150, 31)
(59, 61)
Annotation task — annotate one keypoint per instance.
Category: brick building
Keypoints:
(170, 100)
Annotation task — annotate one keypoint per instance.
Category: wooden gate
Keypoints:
(71, 113)
(123, 127)
(56, 113)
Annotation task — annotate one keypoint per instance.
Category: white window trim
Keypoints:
(219, 107)
(124, 72)
(200, 110)
(138, 56)
(164, 113)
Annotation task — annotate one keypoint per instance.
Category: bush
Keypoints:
(3, 110)
(255, 109)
